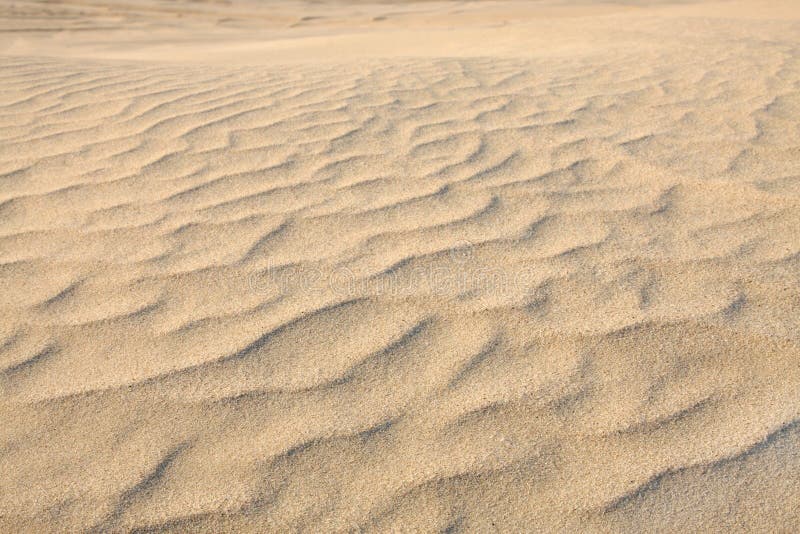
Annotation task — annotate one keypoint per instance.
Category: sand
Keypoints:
(399, 267)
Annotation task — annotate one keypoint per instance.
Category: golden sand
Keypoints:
(525, 266)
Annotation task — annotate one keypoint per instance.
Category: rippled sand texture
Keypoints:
(540, 272)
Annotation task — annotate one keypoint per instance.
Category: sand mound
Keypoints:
(400, 267)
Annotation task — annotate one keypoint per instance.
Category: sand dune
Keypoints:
(399, 267)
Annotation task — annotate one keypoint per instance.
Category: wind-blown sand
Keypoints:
(400, 267)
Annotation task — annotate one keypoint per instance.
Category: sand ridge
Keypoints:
(502, 267)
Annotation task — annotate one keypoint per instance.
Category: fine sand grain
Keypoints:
(527, 266)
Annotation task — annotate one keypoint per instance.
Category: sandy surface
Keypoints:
(399, 267)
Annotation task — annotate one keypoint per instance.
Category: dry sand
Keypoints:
(399, 267)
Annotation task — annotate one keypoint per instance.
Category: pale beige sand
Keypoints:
(400, 267)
